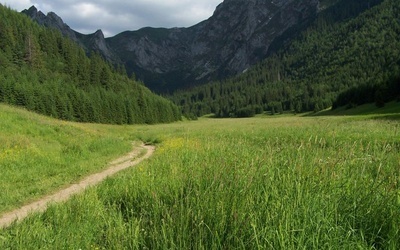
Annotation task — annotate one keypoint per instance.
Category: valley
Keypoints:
(275, 125)
(279, 182)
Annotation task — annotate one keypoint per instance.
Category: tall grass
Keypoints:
(281, 183)
(39, 155)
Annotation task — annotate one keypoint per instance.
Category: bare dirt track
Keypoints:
(129, 160)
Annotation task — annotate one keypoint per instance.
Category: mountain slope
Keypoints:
(92, 42)
(350, 44)
(238, 35)
(47, 73)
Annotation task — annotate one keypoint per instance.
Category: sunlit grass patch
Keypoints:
(39, 155)
(281, 183)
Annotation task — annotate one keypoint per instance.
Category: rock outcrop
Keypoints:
(92, 42)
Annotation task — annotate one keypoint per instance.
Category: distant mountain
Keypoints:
(92, 42)
(347, 56)
(45, 72)
(235, 37)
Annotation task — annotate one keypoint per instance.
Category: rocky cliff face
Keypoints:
(236, 36)
(51, 20)
(91, 42)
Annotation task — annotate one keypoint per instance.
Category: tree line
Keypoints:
(49, 74)
(349, 51)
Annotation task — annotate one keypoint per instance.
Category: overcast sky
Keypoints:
(115, 16)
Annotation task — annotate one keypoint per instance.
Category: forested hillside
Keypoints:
(351, 50)
(47, 73)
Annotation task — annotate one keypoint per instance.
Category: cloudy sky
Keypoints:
(115, 16)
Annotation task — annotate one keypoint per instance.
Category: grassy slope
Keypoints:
(285, 183)
(40, 154)
(391, 109)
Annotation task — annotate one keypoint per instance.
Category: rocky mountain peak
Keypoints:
(236, 36)
(97, 42)
(51, 20)
(91, 42)
(56, 20)
(99, 33)
(35, 14)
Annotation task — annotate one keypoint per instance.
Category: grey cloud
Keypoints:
(115, 16)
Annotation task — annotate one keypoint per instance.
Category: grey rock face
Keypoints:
(236, 36)
(91, 42)
(51, 21)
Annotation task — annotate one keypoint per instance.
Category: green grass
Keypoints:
(329, 182)
(390, 109)
(39, 155)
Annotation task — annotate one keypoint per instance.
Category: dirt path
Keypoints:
(122, 163)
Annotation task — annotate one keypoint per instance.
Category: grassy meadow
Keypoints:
(40, 154)
(284, 182)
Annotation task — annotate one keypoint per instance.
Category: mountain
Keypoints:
(92, 42)
(349, 55)
(45, 72)
(235, 37)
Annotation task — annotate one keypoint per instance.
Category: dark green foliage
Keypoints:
(349, 55)
(47, 73)
(379, 93)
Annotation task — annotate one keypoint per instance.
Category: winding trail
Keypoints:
(119, 164)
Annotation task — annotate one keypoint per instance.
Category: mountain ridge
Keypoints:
(45, 72)
(347, 56)
(235, 37)
(89, 42)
